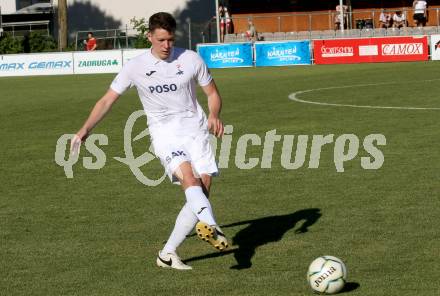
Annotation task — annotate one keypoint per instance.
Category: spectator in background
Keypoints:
(251, 33)
(221, 16)
(420, 13)
(339, 17)
(384, 19)
(399, 20)
(91, 42)
(228, 21)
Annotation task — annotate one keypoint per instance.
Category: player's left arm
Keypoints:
(215, 125)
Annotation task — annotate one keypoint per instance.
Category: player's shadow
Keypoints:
(262, 231)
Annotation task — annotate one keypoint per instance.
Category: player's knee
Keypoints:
(186, 176)
(189, 180)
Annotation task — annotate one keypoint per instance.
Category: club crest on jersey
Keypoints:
(179, 70)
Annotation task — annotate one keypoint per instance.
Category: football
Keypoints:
(327, 274)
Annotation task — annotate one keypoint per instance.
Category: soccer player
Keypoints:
(165, 78)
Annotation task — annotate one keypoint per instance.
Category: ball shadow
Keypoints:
(350, 286)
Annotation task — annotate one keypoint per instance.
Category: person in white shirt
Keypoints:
(384, 19)
(339, 17)
(399, 20)
(420, 13)
(165, 78)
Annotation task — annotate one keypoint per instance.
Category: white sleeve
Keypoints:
(202, 73)
(122, 81)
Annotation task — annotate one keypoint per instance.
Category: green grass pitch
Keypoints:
(99, 233)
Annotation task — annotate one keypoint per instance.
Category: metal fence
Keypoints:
(193, 33)
(21, 29)
(107, 39)
(189, 35)
(312, 21)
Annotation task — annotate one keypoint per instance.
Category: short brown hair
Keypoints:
(162, 20)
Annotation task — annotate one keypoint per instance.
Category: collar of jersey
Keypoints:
(157, 60)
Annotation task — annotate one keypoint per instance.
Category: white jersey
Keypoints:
(384, 17)
(420, 7)
(167, 90)
(398, 18)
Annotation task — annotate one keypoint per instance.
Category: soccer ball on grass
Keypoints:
(327, 275)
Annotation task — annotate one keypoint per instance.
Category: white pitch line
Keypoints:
(294, 97)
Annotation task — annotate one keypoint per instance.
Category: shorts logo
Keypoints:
(177, 153)
(174, 154)
(162, 88)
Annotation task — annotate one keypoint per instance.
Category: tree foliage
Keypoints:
(41, 43)
(33, 42)
(9, 44)
(141, 26)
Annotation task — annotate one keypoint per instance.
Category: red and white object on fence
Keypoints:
(370, 50)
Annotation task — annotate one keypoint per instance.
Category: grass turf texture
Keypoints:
(99, 233)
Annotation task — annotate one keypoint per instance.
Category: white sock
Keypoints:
(185, 223)
(199, 204)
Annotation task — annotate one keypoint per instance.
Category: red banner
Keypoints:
(369, 50)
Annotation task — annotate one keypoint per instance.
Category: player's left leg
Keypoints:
(210, 233)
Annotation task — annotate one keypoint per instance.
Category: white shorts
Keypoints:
(196, 149)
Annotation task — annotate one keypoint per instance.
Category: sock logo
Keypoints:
(201, 210)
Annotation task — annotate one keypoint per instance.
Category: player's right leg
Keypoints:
(185, 223)
(172, 153)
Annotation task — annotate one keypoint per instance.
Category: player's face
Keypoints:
(162, 42)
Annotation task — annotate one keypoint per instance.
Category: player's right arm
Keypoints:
(102, 107)
(119, 85)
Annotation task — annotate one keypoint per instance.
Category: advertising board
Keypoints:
(367, 50)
